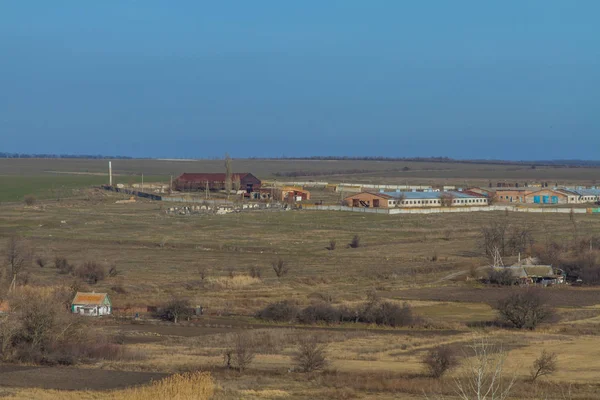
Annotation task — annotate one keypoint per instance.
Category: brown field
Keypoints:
(404, 258)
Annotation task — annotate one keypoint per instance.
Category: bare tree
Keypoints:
(439, 360)
(524, 308)
(310, 355)
(332, 244)
(545, 364)
(355, 242)
(91, 272)
(255, 272)
(241, 354)
(203, 272)
(446, 199)
(228, 182)
(177, 308)
(236, 182)
(29, 200)
(494, 237)
(485, 376)
(400, 199)
(280, 267)
(18, 257)
(520, 239)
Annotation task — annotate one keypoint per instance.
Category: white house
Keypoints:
(91, 304)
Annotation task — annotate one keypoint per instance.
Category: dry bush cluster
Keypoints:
(175, 310)
(90, 272)
(372, 312)
(41, 329)
(280, 267)
(439, 360)
(524, 308)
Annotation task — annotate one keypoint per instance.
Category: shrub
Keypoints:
(439, 360)
(176, 309)
(502, 277)
(40, 262)
(386, 313)
(332, 244)
(434, 256)
(283, 311)
(524, 309)
(310, 355)
(322, 312)
(241, 354)
(29, 200)
(255, 272)
(280, 267)
(355, 242)
(203, 272)
(62, 265)
(113, 271)
(91, 272)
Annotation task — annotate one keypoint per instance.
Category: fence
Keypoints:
(437, 210)
(133, 192)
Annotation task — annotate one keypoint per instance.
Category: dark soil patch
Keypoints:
(210, 327)
(62, 378)
(557, 297)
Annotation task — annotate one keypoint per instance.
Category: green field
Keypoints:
(58, 186)
(56, 178)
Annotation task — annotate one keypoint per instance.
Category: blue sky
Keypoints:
(465, 79)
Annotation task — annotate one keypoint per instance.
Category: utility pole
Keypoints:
(142, 181)
(171, 185)
(110, 173)
(206, 189)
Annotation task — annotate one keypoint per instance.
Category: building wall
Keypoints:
(91, 310)
(412, 203)
(369, 199)
(512, 196)
(547, 196)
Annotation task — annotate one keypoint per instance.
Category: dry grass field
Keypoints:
(403, 258)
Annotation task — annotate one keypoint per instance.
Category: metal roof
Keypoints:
(90, 298)
(429, 195)
(587, 192)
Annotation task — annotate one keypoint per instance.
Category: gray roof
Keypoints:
(532, 271)
(430, 195)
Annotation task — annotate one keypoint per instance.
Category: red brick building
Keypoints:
(192, 182)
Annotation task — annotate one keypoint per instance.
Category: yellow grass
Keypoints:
(235, 282)
(263, 394)
(190, 386)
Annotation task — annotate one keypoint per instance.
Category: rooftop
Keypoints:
(89, 298)
(429, 195)
(211, 177)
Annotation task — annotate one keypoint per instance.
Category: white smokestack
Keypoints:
(110, 173)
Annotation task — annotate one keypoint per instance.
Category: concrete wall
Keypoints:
(512, 196)
(561, 197)
(451, 209)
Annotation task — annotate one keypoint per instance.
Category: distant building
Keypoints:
(543, 275)
(415, 199)
(193, 182)
(92, 304)
(547, 196)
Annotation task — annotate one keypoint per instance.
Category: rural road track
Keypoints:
(457, 274)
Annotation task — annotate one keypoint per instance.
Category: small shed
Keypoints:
(92, 304)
